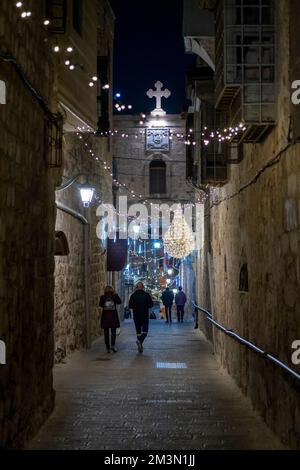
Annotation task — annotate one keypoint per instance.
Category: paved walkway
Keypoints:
(130, 401)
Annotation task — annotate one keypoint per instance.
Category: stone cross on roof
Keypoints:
(158, 94)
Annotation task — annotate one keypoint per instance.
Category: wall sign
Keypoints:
(158, 139)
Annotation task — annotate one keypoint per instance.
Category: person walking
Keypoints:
(180, 300)
(110, 318)
(167, 299)
(140, 302)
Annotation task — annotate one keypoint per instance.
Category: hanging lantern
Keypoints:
(179, 240)
(86, 193)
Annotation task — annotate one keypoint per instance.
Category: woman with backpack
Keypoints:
(110, 318)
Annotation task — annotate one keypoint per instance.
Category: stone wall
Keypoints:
(27, 217)
(203, 291)
(260, 227)
(133, 160)
(80, 277)
(78, 288)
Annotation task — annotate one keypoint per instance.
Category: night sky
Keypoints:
(149, 47)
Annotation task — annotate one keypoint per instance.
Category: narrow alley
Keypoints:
(172, 397)
(150, 183)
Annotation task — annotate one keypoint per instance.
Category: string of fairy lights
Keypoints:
(108, 169)
(190, 138)
(82, 131)
(67, 51)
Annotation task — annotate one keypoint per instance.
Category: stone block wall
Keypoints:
(260, 227)
(69, 317)
(27, 220)
(77, 313)
(133, 160)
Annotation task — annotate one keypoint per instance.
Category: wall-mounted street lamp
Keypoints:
(86, 190)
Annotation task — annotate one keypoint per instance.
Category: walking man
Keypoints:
(180, 300)
(167, 299)
(140, 302)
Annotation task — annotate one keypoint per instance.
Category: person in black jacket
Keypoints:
(140, 302)
(167, 299)
(110, 318)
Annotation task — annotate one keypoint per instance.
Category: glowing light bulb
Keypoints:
(72, 67)
(19, 4)
(56, 48)
(70, 49)
(94, 78)
(46, 22)
(67, 62)
(91, 84)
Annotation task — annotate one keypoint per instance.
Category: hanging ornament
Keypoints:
(179, 240)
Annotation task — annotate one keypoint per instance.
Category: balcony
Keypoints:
(245, 65)
(199, 31)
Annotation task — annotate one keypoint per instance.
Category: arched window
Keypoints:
(61, 244)
(157, 177)
(244, 283)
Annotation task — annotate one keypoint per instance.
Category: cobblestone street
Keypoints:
(173, 396)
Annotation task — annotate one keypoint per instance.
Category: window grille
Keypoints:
(53, 140)
(213, 155)
(103, 65)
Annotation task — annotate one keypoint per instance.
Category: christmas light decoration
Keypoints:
(179, 240)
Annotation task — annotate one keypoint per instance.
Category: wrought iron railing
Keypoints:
(247, 343)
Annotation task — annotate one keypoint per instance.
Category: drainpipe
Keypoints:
(87, 284)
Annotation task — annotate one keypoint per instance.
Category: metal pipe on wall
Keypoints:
(87, 284)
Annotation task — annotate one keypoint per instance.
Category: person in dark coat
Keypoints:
(140, 302)
(110, 318)
(167, 299)
(180, 300)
